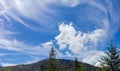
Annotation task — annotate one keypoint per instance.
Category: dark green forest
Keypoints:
(110, 62)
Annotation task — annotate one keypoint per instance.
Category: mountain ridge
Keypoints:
(42, 65)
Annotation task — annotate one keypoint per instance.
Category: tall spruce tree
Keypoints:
(111, 62)
(52, 60)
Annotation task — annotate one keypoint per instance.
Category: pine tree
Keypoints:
(83, 67)
(52, 60)
(76, 65)
(111, 62)
(41, 67)
(103, 69)
(96, 69)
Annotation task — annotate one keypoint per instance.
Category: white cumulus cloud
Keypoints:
(77, 41)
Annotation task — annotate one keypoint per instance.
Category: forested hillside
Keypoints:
(63, 65)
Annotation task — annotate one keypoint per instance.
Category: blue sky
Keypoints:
(76, 28)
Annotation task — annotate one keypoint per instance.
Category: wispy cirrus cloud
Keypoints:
(15, 45)
(42, 10)
(34, 52)
(7, 64)
(92, 57)
(10, 43)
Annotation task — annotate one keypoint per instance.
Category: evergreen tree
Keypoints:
(52, 60)
(62, 68)
(76, 65)
(111, 62)
(41, 68)
(104, 69)
(83, 67)
(96, 69)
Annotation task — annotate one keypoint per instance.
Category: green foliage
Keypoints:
(111, 61)
(96, 69)
(104, 69)
(76, 65)
(83, 67)
(51, 60)
(42, 67)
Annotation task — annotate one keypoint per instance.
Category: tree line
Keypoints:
(110, 62)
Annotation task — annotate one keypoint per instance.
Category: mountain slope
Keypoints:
(42, 65)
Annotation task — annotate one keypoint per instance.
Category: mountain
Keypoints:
(42, 65)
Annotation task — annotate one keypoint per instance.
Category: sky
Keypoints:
(76, 28)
